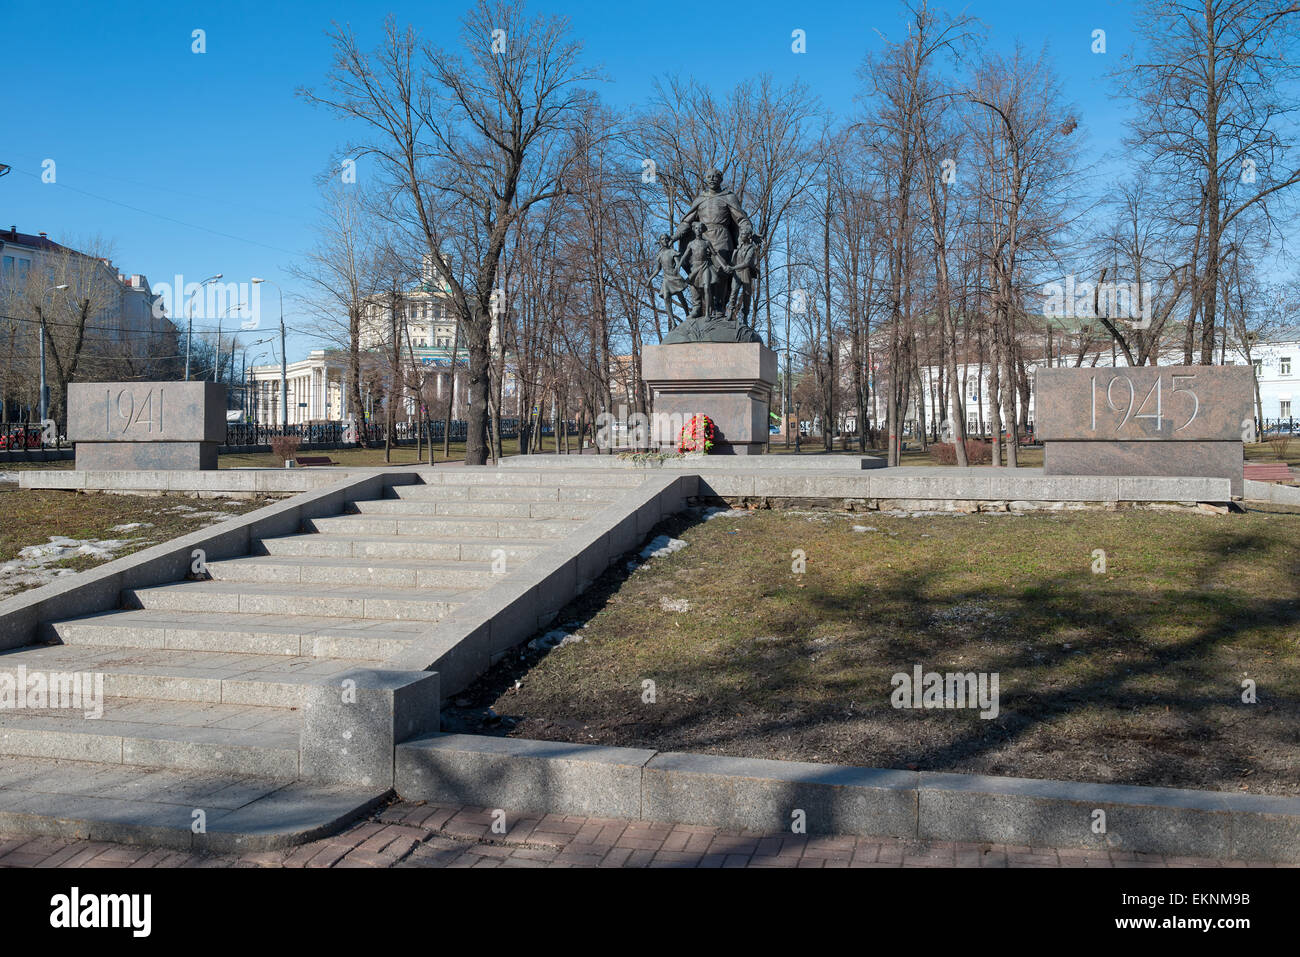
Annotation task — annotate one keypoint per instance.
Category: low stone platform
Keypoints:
(865, 478)
(217, 483)
(759, 795)
(206, 811)
(1271, 492)
(940, 488)
(693, 463)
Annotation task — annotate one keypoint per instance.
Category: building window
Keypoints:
(1284, 365)
(1284, 409)
(1259, 366)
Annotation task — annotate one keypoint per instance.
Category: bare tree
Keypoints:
(1211, 84)
(342, 274)
(1025, 177)
(467, 142)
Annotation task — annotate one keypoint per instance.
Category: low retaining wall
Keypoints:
(223, 482)
(546, 777)
(957, 485)
(100, 588)
(866, 479)
(1271, 492)
(697, 463)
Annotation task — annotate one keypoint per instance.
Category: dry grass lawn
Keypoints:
(33, 516)
(1131, 676)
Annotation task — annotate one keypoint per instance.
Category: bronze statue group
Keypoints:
(719, 254)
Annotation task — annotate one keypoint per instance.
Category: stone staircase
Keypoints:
(203, 680)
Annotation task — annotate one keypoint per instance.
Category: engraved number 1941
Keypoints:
(149, 413)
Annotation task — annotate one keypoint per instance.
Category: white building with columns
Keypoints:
(319, 392)
(1275, 356)
(316, 389)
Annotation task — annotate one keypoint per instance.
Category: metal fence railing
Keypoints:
(20, 436)
(246, 434)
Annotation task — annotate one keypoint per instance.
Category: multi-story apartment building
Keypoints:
(418, 326)
(126, 308)
(125, 332)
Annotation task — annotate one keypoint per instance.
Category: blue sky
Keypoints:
(196, 164)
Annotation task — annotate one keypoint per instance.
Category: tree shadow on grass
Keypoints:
(1097, 682)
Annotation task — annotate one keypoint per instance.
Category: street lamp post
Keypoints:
(798, 424)
(243, 374)
(216, 366)
(189, 324)
(44, 401)
(284, 362)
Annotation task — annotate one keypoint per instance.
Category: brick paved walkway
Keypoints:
(419, 835)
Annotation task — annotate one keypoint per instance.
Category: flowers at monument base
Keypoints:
(697, 435)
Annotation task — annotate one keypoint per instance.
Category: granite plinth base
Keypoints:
(122, 456)
(730, 382)
(1203, 459)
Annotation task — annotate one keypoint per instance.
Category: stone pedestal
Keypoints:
(147, 425)
(1149, 420)
(730, 382)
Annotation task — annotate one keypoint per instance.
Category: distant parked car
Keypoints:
(22, 437)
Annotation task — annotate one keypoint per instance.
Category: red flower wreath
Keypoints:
(697, 434)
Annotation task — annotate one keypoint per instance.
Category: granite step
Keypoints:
(238, 739)
(156, 806)
(440, 527)
(612, 478)
(385, 572)
(287, 635)
(327, 545)
(175, 675)
(511, 493)
(332, 601)
(472, 509)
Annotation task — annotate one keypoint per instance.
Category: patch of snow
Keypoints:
(713, 512)
(32, 566)
(131, 526)
(674, 604)
(59, 548)
(865, 528)
(662, 545)
(555, 638)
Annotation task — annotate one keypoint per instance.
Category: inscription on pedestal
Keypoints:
(147, 425)
(1149, 403)
(1149, 420)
